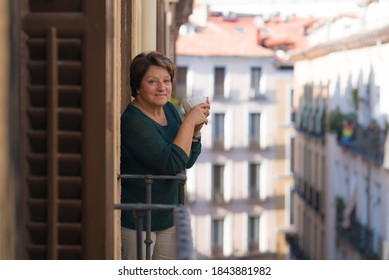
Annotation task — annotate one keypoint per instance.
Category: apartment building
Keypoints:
(240, 186)
(341, 196)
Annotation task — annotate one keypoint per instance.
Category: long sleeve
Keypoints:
(194, 154)
(146, 148)
(147, 144)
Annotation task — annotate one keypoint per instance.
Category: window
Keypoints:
(292, 112)
(219, 82)
(256, 73)
(254, 130)
(253, 234)
(365, 106)
(218, 183)
(182, 75)
(363, 201)
(218, 132)
(376, 217)
(346, 184)
(291, 158)
(319, 121)
(323, 186)
(336, 179)
(254, 180)
(217, 236)
(291, 192)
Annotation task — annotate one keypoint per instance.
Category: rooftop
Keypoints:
(223, 37)
(241, 36)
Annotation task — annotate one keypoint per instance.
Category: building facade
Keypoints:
(238, 189)
(341, 196)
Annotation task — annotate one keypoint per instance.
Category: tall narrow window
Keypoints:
(218, 132)
(254, 130)
(323, 184)
(365, 107)
(253, 234)
(376, 217)
(364, 201)
(292, 112)
(291, 159)
(217, 236)
(218, 183)
(256, 73)
(291, 192)
(346, 184)
(254, 181)
(219, 82)
(182, 75)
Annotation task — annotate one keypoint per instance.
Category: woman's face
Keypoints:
(156, 86)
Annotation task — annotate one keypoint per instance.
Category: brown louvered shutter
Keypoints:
(60, 104)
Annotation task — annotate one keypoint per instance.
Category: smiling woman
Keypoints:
(156, 141)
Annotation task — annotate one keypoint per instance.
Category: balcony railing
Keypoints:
(368, 142)
(142, 213)
(358, 236)
(295, 250)
(313, 197)
(311, 122)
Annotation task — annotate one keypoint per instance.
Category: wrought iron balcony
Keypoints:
(368, 142)
(142, 212)
(310, 195)
(358, 236)
(294, 247)
(311, 123)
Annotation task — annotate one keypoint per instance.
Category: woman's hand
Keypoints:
(197, 129)
(191, 126)
(198, 115)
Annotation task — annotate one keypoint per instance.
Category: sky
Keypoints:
(298, 7)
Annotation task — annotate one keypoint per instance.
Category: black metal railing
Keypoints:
(142, 213)
(311, 124)
(368, 142)
(358, 236)
(295, 250)
(312, 197)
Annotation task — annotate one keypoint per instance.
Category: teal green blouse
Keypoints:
(147, 149)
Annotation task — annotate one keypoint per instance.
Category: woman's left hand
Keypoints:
(197, 129)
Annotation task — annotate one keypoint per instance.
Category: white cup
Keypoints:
(190, 102)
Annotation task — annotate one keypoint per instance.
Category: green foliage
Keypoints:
(339, 201)
(335, 120)
(355, 98)
(386, 126)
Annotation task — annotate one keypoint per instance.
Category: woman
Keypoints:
(154, 140)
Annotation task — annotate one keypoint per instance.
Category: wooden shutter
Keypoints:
(63, 110)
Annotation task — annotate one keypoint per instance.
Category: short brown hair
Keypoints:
(141, 64)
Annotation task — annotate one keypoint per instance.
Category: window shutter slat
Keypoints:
(52, 98)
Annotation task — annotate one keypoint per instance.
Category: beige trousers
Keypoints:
(162, 248)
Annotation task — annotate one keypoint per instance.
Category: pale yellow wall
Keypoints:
(116, 131)
(281, 166)
(143, 39)
(144, 26)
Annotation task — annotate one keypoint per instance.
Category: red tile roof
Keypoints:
(242, 37)
(286, 35)
(223, 38)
